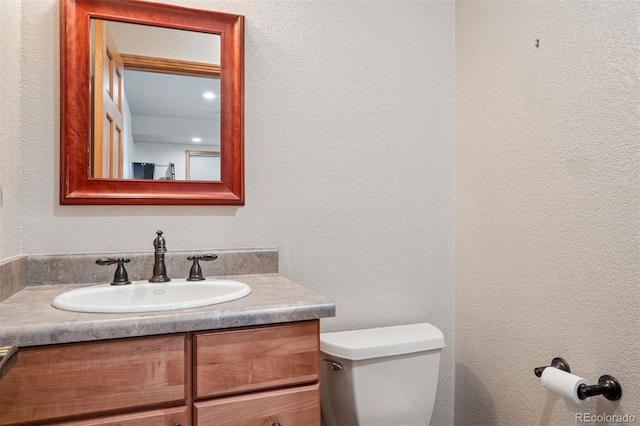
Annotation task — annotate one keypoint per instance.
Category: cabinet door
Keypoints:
(164, 417)
(243, 360)
(62, 381)
(288, 407)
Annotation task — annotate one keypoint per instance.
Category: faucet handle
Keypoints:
(120, 277)
(196, 271)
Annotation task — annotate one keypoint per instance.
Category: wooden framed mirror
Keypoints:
(95, 164)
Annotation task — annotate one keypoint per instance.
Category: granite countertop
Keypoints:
(28, 319)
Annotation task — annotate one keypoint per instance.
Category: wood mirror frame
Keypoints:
(76, 185)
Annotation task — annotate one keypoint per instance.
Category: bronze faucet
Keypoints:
(159, 268)
(120, 277)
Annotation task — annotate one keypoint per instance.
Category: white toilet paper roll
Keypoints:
(562, 383)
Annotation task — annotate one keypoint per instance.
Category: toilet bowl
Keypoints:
(380, 376)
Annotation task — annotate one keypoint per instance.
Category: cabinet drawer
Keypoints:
(51, 382)
(163, 417)
(244, 360)
(289, 407)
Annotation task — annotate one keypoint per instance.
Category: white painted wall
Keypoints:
(128, 146)
(349, 159)
(10, 129)
(547, 206)
(169, 43)
(163, 153)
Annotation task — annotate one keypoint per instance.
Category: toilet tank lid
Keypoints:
(380, 342)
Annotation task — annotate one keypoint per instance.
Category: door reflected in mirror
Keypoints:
(203, 165)
(155, 99)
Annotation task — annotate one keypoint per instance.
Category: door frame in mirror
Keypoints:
(76, 185)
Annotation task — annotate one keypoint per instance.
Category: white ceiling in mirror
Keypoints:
(169, 108)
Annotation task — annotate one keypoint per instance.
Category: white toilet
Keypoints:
(380, 376)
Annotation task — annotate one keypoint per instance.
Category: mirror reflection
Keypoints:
(155, 103)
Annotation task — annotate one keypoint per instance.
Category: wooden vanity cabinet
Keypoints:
(251, 359)
(175, 416)
(48, 383)
(247, 376)
(299, 406)
(272, 373)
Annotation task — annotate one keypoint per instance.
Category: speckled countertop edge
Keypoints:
(28, 319)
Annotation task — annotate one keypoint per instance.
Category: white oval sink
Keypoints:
(143, 296)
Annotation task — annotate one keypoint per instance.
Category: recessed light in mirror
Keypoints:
(196, 140)
(209, 95)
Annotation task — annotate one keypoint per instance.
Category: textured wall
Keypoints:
(547, 204)
(10, 156)
(349, 160)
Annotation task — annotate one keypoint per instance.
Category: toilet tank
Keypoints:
(380, 376)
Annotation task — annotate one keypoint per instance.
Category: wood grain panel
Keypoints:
(259, 358)
(162, 417)
(292, 406)
(59, 381)
(170, 66)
